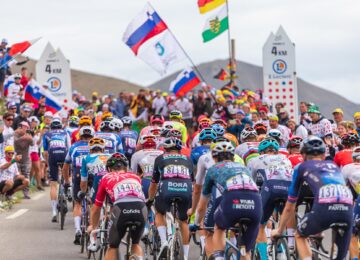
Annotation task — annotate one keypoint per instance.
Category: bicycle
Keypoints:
(62, 207)
(130, 227)
(151, 240)
(85, 216)
(198, 243)
(103, 230)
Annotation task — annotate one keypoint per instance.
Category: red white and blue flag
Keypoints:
(8, 81)
(21, 47)
(144, 26)
(34, 92)
(184, 82)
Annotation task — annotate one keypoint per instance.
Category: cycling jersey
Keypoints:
(70, 130)
(93, 168)
(343, 157)
(113, 142)
(232, 138)
(196, 140)
(197, 152)
(129, 139)
(295, 159)
(244, 147)
(351, 173)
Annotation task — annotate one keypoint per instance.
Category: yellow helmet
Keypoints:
(85, 120)
(106, 115)
(9, 148)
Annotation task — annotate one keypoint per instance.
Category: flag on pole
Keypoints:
(222, 75)
(216, 25)
(21, 47)
(208, 5)
(34, 92)
(184, 82)
(8, 81)
(162, 53)
(144, 26)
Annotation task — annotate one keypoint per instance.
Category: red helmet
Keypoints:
(295, 141)
(156, 131)
(260, 128)
(157, 119)
(148, 141)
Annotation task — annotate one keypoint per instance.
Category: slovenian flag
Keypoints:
(144, 26)
(208, 5)
(8, 81)
(21, 47)
(33, 93)
(184, 82)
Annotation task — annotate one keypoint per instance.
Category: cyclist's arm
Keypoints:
(65, 172)
(84, 176)
(155, 179)
(201, 210)
(95, 216)
(288, 213)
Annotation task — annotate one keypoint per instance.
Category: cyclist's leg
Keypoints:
(141, 217)
(53, 177)
(77, 204)
(116, 232)
(161, 207)
(183, 207)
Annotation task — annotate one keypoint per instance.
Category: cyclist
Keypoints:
(248, 138)
(232, 138)
(332, 200)
(56, 144)
(277, 135)
(156, 121)
(142, 161)
(73, 124)
(173, 173)
(177, 134)
(78, 151)
(293, 147)
(240, 199)
(344, 157)
(84, 121)
(273, 172)
(112, 140)
(118, 124)
(176, 123)
(206, 137)
(124, 190)
(351, 174)
(204, 122)
(261, 130)
(128, 137)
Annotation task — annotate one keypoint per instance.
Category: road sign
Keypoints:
(54, 69)
(279, 72)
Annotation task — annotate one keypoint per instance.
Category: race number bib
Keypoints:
(180, 171)
(241, 182)
(335, 193)
(130, 142)
(128, 188)
(56, 144)
(147, 170)
(79, 159)
(279, 171)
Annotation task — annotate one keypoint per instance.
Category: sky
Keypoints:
(89, 32)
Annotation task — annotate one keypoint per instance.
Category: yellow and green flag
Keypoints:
(216, 25)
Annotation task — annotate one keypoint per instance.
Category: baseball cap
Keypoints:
(95, 94)
(9, 148)
(4, 40)
(282, 110)
(338, 110)
(314, 109)
(27, 108)
(356, 114)
(11, 104)
(273, 117)
(240, 112)
(48, 114)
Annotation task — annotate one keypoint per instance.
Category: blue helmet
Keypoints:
(207, 134)
(268, 142)
(218, 129)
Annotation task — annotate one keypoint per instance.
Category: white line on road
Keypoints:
(38, 196)
(17, 214)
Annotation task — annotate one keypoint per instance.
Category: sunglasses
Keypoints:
(9, 119)
(10, 153)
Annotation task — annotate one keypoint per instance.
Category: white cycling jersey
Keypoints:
(144, 160)
(244, 147)
(204, 163)
(351, 173)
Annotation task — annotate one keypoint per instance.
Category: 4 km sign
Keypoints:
(53, 68)
(279, 72)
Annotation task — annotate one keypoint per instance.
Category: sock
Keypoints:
(186, 251)
(307, 258)
(291, 240)
(53, 207)
(233, 240)
(262, 248)
(202, 241)
(77, 223)
(267, 232)
(162, 234)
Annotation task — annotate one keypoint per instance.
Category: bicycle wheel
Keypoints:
(280, 250)
(255, 255)
(63, 210)
(176, 250)
(83, 234)
(155, 242)
(230, 254)
(314, 244)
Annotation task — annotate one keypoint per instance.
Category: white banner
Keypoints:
(279, 72)
(53, 68)
(162, 53)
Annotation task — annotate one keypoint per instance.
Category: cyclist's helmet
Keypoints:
(204, 123)
(171, 142)
(174, 133)
(117, 123)
(275, 134)
(157, 119)
(350, 139)
(218, 129)
(295, 141)
(220, 122)
(356, 153)
(313, 146)
(165, 130)
(268, 143)
(175, 114)
(222, 148)
(85, 120)
(156, 131)
(127, 121)
(260, 128)
(96, 143)
(247, 132)
(86, 131)
(117, 160)
(107, 125)
(55, 124)
(148, 141)
(74, 121)
(106, 116)
(207, 134)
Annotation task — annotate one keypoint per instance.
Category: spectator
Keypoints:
(15, 91)
(8, 132)
(236, 125)
(278, 107)
(338, 115)
(319, 126)
(357, 122)
(159, 105)
(11, 106)
(48, 116)
(283, 117)
(34, 152)
(24, 116)
(39, 112)
(274, 124)
(24, 77)
(185, 107)
(255, 117)
(202, 105)
(263, 112)
(120, 106)
(304, 116)
(4, 58)
(297, 130)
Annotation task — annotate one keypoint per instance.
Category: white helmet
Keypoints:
(246, 132)
(118, 124)
(87, 130)
(223, 147)
(17, 76)
(275, 133)
(356, 153)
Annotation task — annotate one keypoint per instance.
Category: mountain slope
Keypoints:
(251, 77)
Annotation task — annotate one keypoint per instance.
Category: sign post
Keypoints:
(279, 72)
(53, 68)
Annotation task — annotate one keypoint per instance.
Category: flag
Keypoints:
(215, 25)
(144, 26)
(8, 81)
(222, 75)
(21, 47)
(34, 92)
(184, 82)
(162, 53)
(208, 5)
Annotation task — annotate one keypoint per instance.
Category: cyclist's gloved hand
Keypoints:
(149, 203)
(66, 188)
(194, 227)
(81, 195)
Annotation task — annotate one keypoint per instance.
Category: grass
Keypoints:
(16, 198)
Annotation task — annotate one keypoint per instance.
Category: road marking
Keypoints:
(17, 214)
(38, 196)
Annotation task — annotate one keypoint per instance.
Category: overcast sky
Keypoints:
(89, 32)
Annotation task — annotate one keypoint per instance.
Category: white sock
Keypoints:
(162, 234)
(307, 258)
(233, 240)
(53, 207)
(291, 239)
(186, 251)
(77, 223)
(202, 241)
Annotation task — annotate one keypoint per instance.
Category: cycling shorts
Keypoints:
(55, 158)
(145, 183)
(212, 205)
(270, 193)
(76, 179)
(125, 214)
(322, 216)
(172, 189)
(236, 205)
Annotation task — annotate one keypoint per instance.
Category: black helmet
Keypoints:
(56, 124)
(350, 139)
(313, 146)
(117, 160)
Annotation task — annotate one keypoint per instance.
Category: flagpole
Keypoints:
(229, 44)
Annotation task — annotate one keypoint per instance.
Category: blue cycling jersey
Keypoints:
(70, 130)
(129, 140)
(325, 181)
(77, 152)
(57, 139)
(197, 152)
(228, 176)
(113, 142)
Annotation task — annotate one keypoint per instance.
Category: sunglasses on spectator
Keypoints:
(9, 119)
(9, 153)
